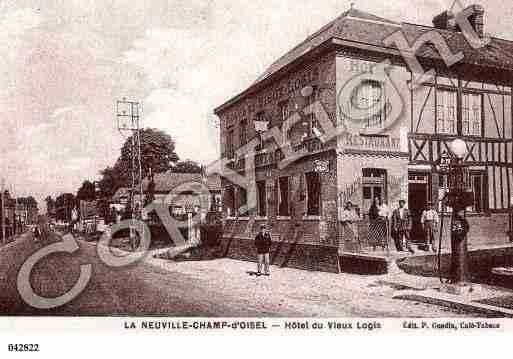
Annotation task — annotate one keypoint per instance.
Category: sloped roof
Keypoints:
(332, 29)
(361, 28)
(165, 182)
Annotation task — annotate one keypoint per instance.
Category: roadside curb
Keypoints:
(461, 302)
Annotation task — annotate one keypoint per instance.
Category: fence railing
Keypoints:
(365, 236)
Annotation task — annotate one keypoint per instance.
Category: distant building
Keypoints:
(120, 199)
(7, 213)
(186, 192)
(26, 210)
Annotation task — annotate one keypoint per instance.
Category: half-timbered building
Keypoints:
(324, 85)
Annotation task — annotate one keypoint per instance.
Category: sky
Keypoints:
(65, 63)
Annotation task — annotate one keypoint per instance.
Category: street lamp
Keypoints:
(459, 148)
(458, 198)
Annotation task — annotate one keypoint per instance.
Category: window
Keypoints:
(262, 199)
(284, 111)
(229, 201)
(471, 114)
(243, 202)
(230, 150)
(283, 197)
(313, 191)
(446, 111)
(369, 96)
(260, 116)
(243, 132)
(312, 126)
(260, 126)
(479, 185)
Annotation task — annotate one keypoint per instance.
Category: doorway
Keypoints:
(418, 196)
(373, 186)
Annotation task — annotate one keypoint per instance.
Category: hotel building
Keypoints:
(333, 80)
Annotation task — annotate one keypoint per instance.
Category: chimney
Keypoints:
(445, 21)
(476, 18)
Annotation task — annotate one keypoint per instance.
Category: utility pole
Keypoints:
(15, 218)
(3, 210)
(128, 121)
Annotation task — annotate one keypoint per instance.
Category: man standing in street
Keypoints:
(401, 225)
(430, 220)
(263, 245)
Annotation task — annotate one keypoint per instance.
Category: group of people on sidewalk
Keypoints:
(398, 222)
(381, 220)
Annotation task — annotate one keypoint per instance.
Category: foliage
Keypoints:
(64, 204)
(112, 179)
(50, 206)
(157, 153)
(187, 166)
(87, 192)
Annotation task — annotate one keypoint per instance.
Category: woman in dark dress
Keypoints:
(373, 237)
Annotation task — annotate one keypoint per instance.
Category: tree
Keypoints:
(87, 192)
(31, 202)
(187, 166)
(157, 153)
(112, 179)
(50, 206)
(64, 204)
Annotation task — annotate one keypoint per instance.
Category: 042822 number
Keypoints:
(23, 347)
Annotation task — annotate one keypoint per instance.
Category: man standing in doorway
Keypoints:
(263, 245)
(429, 222)
(401, 226)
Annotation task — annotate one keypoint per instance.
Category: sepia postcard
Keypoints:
(184, 167)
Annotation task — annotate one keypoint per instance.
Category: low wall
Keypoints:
(484, 230)
(480, 264)
(285, 254)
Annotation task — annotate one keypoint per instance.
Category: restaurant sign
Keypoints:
(370, 143)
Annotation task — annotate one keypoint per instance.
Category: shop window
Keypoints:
(283, 200)
(262, 199)
(369, 96)
(313, 191)
(446, 105)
